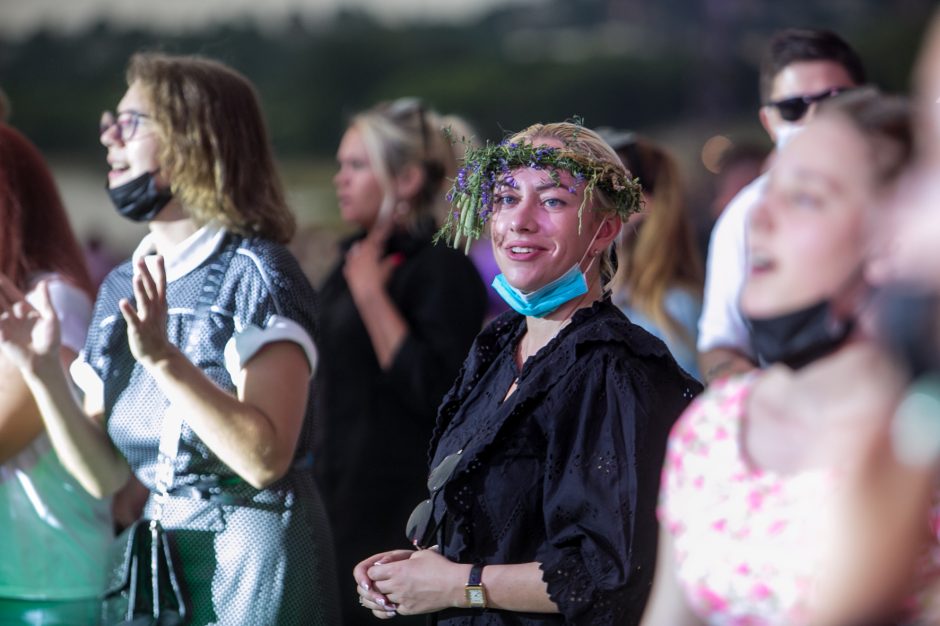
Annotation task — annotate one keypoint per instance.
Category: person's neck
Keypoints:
(541, 330)
(170, 227)
(859, 363)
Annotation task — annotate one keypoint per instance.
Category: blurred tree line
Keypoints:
(627, 63)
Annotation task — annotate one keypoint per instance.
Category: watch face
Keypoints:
(475, 596)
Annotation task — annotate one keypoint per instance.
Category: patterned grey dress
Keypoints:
(252, 557)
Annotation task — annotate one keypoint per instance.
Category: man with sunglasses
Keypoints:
(800, 68)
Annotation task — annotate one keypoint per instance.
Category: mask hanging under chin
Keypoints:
(542, 301)
(140, 200)
(799, 337)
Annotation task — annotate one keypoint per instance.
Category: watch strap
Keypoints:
(474, 590)
(476, 575)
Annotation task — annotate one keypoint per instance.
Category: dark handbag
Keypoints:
(145, 585)
(143, 588)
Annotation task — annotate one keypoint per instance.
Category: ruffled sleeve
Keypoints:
(605, 452)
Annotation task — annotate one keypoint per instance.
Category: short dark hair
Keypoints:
(794, 45)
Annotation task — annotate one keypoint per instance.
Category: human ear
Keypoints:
(607, 233)
(767, 123)
(409, 181)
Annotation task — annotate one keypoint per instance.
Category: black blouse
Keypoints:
(565, 471)
(373, 425)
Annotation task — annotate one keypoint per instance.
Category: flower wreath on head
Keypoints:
(485, 167)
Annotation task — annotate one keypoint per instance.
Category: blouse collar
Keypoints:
(188, 254)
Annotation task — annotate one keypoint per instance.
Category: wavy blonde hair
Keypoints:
(215, 149)
(401, 133)
(662, 253)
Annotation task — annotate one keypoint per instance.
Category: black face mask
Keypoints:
(799, 337)
(139, 200)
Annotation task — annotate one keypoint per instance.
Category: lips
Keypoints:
(759, 262)
(522, 250)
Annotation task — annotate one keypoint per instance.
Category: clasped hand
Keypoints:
(408, 582)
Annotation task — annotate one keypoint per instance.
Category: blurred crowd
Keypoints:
(604, 413)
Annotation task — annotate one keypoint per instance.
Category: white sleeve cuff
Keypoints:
(86, 378)
(244, 345)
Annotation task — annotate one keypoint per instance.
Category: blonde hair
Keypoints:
(663, 253)
(584, 142)
(215, 148)
(402, 133)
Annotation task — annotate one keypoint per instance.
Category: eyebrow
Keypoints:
(820, 178)
(540, 187)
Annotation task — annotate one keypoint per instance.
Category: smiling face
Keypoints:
(357, 187)
(535, 228)
(807, 238)
(139, 154)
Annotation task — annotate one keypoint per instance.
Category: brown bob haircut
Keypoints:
(215, 147)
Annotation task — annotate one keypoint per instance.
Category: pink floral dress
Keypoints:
(748, 542)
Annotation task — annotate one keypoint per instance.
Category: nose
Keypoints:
(810, 113)
(108, 133)
(761, 217)
(522, 218)
(339, 178)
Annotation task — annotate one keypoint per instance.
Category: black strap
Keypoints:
(210, 290)
(166, 472)
(476, 574)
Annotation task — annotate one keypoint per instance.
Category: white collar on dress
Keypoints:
(188, 254)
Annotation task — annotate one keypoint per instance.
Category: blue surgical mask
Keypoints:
(547, 298)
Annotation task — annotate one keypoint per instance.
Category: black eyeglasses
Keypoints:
(421, 528)
(793, 109)
(126, 123)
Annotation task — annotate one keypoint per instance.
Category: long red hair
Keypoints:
(36, 234)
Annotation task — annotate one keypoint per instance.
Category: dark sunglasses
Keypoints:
(421, 529)
(793, 109)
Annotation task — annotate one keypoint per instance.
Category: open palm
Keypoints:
(27, 333)
(147, 317)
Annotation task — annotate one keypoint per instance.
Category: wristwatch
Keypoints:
(476, 593)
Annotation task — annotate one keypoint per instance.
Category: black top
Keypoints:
(373, 426)
(565, 471)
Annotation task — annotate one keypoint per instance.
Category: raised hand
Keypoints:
(365, 270)
(28, 335)
(146, 323)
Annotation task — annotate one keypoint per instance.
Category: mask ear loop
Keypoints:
(590, 245)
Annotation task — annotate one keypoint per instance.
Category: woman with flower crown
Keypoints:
(546, 457)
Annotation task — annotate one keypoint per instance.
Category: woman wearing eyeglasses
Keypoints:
(220, 387)
(546, 457)
(754, 516)
(46, 518)
(397, 316)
